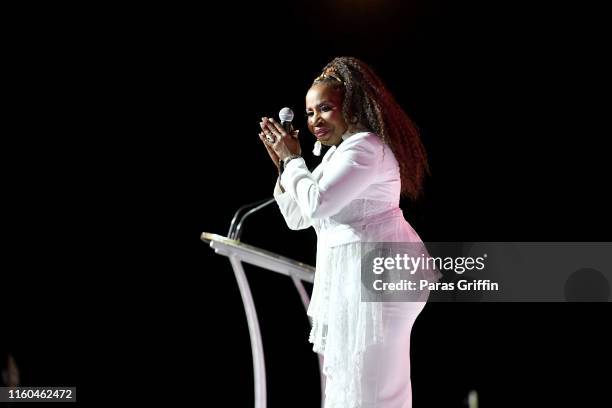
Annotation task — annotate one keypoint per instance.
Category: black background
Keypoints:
(131, 131)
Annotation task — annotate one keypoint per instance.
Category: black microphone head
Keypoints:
(285, 115)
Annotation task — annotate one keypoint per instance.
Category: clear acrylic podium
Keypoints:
(238, 252)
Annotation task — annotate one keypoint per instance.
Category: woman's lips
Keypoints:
(321, 132)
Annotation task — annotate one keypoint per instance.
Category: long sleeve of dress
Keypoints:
(352, 169)
(291, 211)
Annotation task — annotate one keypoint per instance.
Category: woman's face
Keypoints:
(324, 112)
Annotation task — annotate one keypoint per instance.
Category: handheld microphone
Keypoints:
(286, 116)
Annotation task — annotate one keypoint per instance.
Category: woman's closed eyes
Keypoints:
(323, 108)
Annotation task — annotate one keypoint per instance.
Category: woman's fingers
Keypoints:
(278, 141)
(265, 141)
(277, 128)
(268, 147)
(269, 130)
(274, 127)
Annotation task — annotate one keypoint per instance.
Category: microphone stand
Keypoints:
(235, 230)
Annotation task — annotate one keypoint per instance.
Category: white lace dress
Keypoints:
(350, 198)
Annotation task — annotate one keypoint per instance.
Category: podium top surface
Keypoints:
(257, 256)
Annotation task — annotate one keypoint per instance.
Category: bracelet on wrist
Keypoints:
(283, 163)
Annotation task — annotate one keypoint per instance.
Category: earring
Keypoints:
(317, 148)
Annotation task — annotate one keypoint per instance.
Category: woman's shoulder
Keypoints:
(365, 142)
(362, 137)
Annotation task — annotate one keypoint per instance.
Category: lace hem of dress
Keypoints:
(342, 368)
(342, 326)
